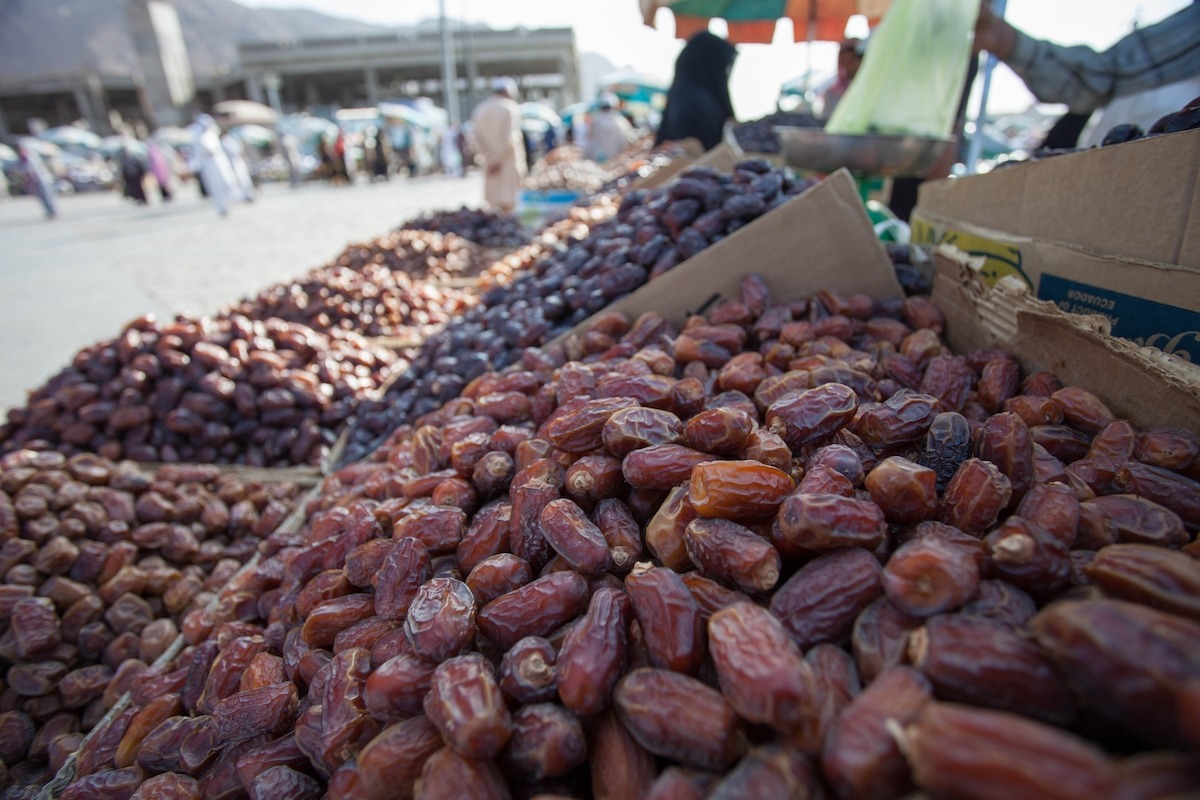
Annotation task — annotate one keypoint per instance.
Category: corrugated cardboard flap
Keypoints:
(821, 239)
(1139, 199)
(1138, 383)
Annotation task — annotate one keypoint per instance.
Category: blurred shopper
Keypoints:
(160, 168)
(337, 156)
(241, 170)
(550, 138)
(611, 132)
(291, 156)
(698, 102)
(210, 162)
(1084, 79)
(133, 174)
(850, 56)
(497, 126)
(38, 179)
(381, 154)
(449, 152)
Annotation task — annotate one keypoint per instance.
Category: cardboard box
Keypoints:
(720, 158)
(1140, 384)
(1112, 231)
(821, 239)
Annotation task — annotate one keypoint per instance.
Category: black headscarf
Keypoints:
(698, 103)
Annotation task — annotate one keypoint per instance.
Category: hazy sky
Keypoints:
(614, 29)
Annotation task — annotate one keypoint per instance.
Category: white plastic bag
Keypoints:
(912, 74)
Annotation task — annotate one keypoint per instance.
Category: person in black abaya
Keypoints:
(698, 103)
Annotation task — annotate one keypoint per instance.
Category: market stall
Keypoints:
(696, 493)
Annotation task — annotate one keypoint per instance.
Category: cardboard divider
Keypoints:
(821, 239)
(1140, 384)
(302, 476)
(1113, 231)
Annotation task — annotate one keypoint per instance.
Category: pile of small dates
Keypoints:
(99, 564)
(207, 390)
(424, 255)
(758, 136)
(567, 168)
(795, 549)
(371, 300)
(652, 232)
(485, 228)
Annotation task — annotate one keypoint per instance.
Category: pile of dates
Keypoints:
(372, 300)
(100, 563)
(208, 390)
(566, 168)
(485, 228)
(758, 136)
(795, 549)
(424, 255)
(652, 232)
(556, 237)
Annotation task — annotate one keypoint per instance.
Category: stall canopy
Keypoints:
(632, 86)
(753, 21)
(243, 112)
(398, 112)
(73, 138)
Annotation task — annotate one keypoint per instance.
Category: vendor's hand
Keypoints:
(993, 34)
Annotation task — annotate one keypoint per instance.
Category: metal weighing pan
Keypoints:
(874, 154)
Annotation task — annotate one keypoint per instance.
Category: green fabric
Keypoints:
(732, 10)
(913, 72)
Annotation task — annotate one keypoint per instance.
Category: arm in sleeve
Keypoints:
(1085, 80)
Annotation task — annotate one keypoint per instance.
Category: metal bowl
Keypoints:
(875, 154)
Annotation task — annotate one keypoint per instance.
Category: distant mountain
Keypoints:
(39, 37)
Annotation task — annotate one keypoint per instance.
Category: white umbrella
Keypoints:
(403, 113)
(255, 135)
(243, 112)
(72, 137)
(173, 135)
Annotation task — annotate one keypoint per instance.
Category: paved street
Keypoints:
(78, 279)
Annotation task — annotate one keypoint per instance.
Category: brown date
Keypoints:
(669, 616)
(903, 418)
(448, 775)
(536, 609)
(987, 754)
(824, 522)
(1128, 662)
(679, 718)
(1154, 576)
(929, 575)
(529, 672)
(391, 763)
(575, 537)
(732, 554)
(812, 414)
(403, 571)
(465, 705)
(821, 601)
(592, 657)
(664, 531)
(661, 466)
(441, 619)
(975, 496)
(1082, 409)
(906, 492)
(547, 741)
(861, 758)
(633, 428)
(983, 662)
(738, 489)
(762, 673)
